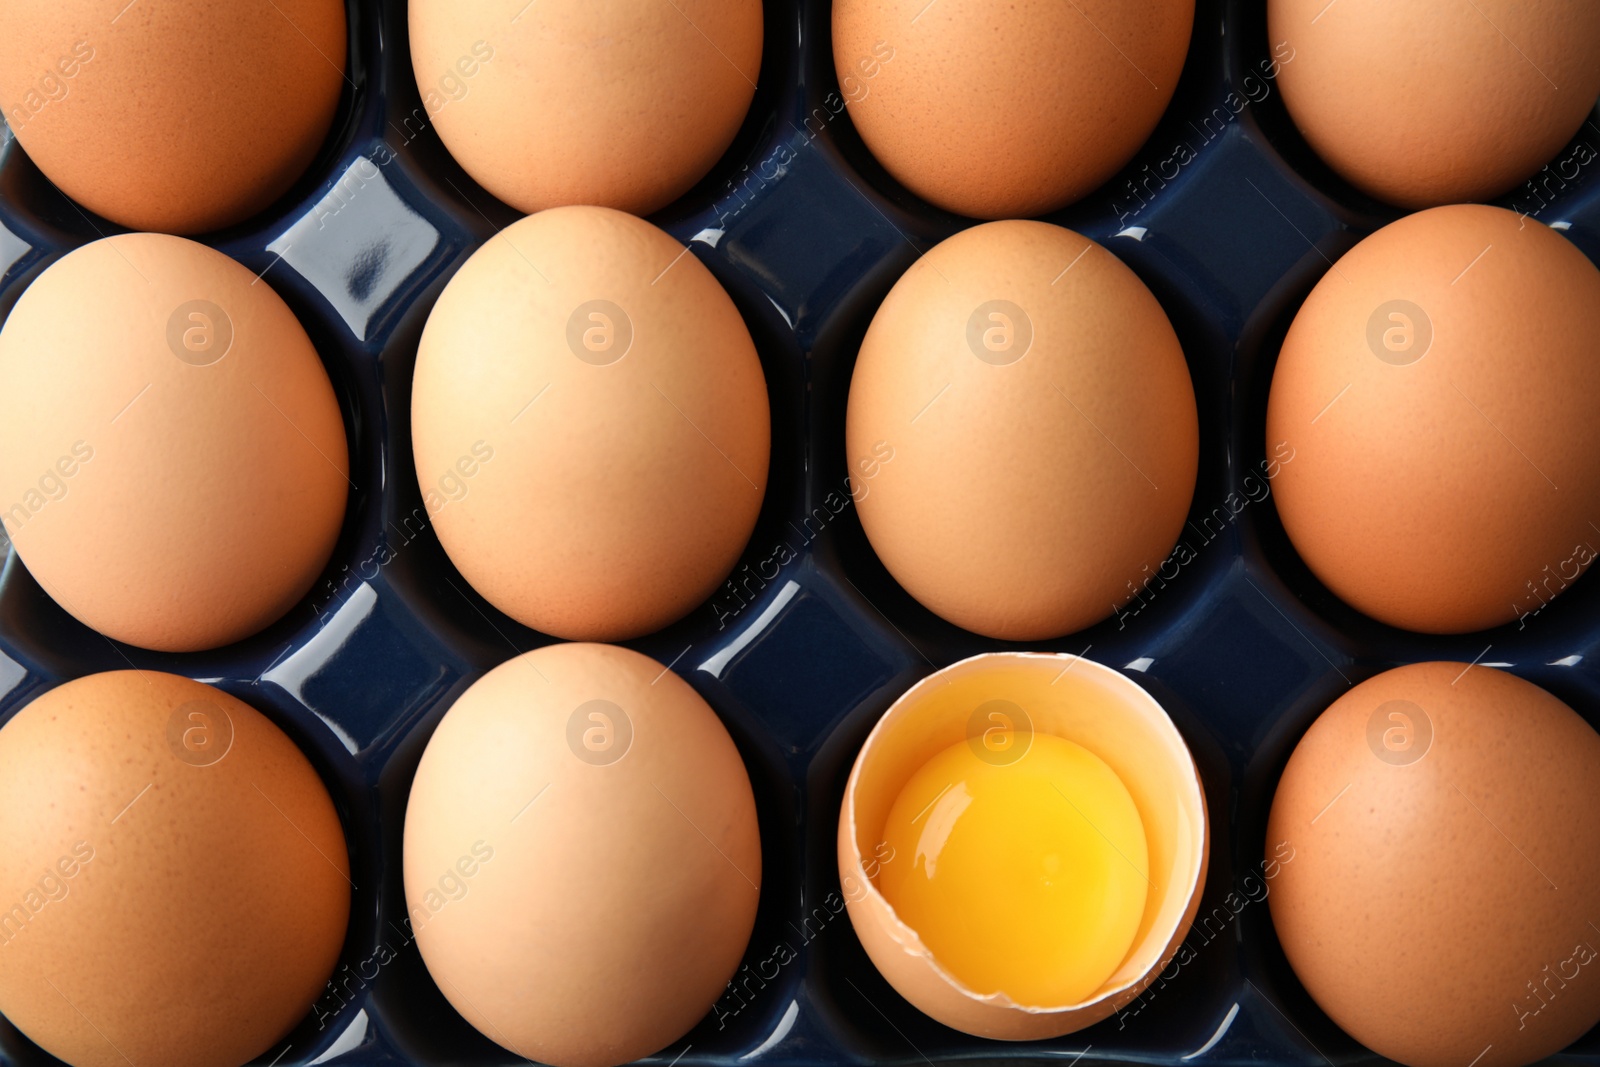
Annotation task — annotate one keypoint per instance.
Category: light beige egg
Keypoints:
(179, 117)
(174, 885)
(582, 861)
(1024, 412)
(1441, 101)
(621, 103)
(590, 425)
(1442, 829)
(1437, 393)
(1003, 111)
(1061, 695)
(173, 467)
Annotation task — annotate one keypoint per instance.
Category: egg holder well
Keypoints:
(811, 640)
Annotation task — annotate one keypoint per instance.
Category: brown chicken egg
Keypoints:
(1003, 707)
(620, 103)
(1439, 101)
(173, 468)
(582, 860)
(590, 425)
(1025, 414)
(1444, 825)
(1439, 389)
(999, 111)
(179, 117)
(174, 885)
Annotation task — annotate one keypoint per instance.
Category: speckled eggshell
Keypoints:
(1446, 463)
(1439, 101)
(594, 493)
(999, 111)
(1028, 490)
(173, 874)
(173, 468)
(582, 860)
(1438, 831)
(620, 103)
(180, 117)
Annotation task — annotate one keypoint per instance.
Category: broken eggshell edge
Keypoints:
(1064, 695)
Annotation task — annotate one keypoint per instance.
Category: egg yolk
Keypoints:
(1026, 878)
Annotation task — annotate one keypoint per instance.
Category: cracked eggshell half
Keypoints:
(1136, 738)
